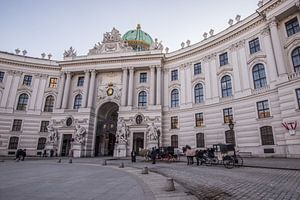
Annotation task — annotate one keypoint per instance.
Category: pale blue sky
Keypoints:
(51, 26)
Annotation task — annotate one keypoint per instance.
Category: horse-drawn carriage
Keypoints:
(162, 153)
(222, 154)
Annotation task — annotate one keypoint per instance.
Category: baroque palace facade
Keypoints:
(128, 94)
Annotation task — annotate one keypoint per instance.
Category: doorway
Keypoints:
(138, 142)
(66, 144)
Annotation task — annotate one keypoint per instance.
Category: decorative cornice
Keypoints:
(265, 32)
(27, 64)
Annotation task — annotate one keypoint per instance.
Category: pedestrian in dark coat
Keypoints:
(133, 156)
(153, 155)
(18, 154)
(23, 154)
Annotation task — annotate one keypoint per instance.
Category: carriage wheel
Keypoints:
(238, 161)
(228, 162)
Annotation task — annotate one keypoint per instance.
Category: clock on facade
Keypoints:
(110, 91)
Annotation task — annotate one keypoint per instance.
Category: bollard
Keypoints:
(121, 165)
(70, 161)
(170, 185)
(104, 163)
(145, 170)
(59, 161)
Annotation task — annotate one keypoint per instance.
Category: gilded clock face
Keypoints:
(110, 91)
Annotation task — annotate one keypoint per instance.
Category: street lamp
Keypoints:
(231, 125)
(158, 136)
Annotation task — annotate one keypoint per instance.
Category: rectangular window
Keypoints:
(80, 81)
(53, 83)
(254, 46)
(197, 68)
(27, 80)
(263, 109)
(174, 122)
(174, 75)
(199, 119)
(17, 124)
(223, 59)
(1, 76)
(298, 97)
(227, 115)
(44, 125)
(292, 27)
(143, 77)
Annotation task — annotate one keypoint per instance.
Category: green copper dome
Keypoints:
(138, 39)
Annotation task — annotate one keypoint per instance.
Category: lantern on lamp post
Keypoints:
(158, 137)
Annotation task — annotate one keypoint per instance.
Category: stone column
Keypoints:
(41, 91)
(124, 86)
(244, 69)
(66, 91)
(270, 55)
(85, 88)
(60, 90)
(13, 90)
(9, 77)
(91, 89)
(182, 84)
(213, 76)
(166, 87)
(35, 91)
(189, 88)
(277, 47)
(158, 85)
(235, 65)
(152, 85)
(208, 89)
(130, 86)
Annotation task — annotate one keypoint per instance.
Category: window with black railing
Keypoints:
(266, 135)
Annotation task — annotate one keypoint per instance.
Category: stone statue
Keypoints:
(152, 132)
(122, 132)
(70, 53)
(53, 134)
(156, 45)
(79, 134)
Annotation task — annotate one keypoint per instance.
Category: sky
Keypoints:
(52, 26)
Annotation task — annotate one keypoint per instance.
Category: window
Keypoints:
(142, 99)
(22, 102)
(200, 140)
(254, 46)
(174, 75)
(197, 68)
(292, 27)
(198, 93)
(1, 76)
(174, 141)
(223, 59)
(53, 83)
(298, 97)
(143, 77)
(259, 76)
(174, 98)
(263, 109)
(226, 86)
(227, 115)
(199, 119)
(41, 143)
(296, 59)
(27, 80)
(13, 143)
(174, 122)
(44, 125)
(77, 101)
(80, 81)
(49, 103)
(229, 137)
(266, 134)
(17, 124)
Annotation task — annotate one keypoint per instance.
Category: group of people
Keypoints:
(152, 154)
(20, 154)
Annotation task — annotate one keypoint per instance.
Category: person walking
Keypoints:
(153, 155)
(23, 154)
(133, 156)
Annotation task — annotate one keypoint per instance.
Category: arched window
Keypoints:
(259, 76)
(22, 102)
(174, 98)
(77, 101)
(198, 93)
(41, 143)
(226, 86)
(142, 99)
(49, 103)
(13, 143)
(174, 141)
(296, 59)
(266, 134)
(200, 140)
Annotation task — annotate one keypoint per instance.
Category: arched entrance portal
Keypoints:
(107, 118)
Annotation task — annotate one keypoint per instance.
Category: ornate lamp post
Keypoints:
(231, 125)
(158, 136)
